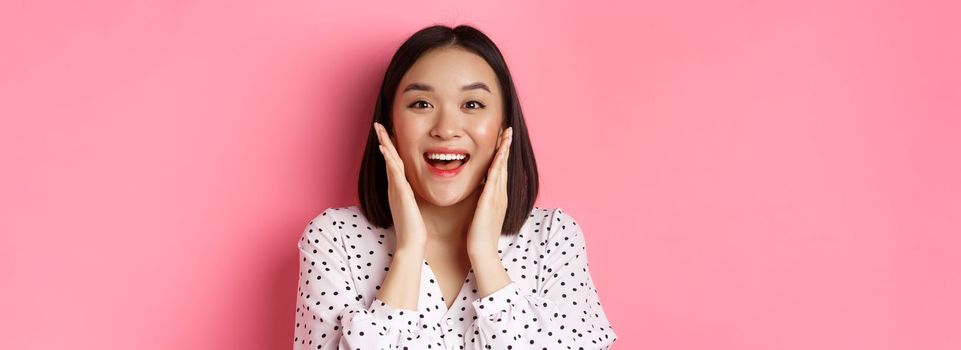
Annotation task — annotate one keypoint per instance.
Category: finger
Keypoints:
(392, 152)
(383, 137)
(377, 128)
(502, 169)
(393, 165)
(499, 160)
(389, 162)
(385, 140)
(507, 152)
(397, 165)
(507, 143)
(389, 159)
(504, 150)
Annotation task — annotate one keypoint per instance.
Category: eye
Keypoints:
(477, 103)
(417, 103)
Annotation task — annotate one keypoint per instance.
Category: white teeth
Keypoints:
(442, 156)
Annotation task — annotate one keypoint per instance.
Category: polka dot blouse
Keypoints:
(551, 302)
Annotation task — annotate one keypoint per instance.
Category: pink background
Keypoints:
(749, 174)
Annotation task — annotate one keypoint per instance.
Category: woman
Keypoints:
(446, 249)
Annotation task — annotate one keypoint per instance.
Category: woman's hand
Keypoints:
(485, 228)
(408, 222)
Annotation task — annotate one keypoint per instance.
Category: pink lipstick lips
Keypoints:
(445, 162)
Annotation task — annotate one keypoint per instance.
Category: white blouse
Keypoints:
(551, 302)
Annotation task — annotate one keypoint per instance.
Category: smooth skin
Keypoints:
(453, 223)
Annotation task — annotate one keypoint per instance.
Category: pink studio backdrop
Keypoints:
(749, 174)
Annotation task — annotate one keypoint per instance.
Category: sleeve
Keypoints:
(564, 312)
(330, 311)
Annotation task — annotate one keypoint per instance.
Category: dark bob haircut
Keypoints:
(521, 168)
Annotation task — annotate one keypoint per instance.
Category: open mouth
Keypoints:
(447, 164)
(446, 167)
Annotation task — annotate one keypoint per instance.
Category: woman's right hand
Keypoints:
(408, 222)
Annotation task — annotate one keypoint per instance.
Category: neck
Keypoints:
(448, 223)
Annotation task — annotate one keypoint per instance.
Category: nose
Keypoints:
(447, 126)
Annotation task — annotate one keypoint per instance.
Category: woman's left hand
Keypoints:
(485, 228)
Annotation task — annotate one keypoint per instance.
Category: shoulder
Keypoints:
(555, 236)
(331, 222)
(338, 216)
(552, 224)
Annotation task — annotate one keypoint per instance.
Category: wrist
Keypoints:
(411, 251)
(483, 252)
(412, 245)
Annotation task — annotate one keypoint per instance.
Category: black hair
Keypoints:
(522, 180)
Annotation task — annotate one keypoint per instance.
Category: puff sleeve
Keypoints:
(563, 313)
(331, 314)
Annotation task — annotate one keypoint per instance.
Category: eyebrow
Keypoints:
(425, 87)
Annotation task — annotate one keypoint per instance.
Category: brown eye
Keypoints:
(475, 103)
(417, 103)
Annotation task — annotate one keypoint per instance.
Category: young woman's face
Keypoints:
(448, 102)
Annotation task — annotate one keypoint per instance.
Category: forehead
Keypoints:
(448, 69)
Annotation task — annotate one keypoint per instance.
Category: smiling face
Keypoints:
(449, 102)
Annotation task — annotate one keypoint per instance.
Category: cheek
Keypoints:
(486, 136)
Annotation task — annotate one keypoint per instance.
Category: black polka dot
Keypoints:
(548, 271)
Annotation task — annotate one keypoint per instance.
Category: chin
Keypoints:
(446, 194)
(445, 198)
